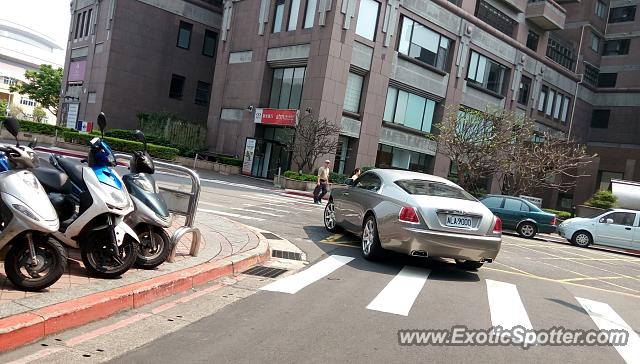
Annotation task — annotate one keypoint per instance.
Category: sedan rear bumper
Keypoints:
(445, 245)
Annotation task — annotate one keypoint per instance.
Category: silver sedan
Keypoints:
(416, 214)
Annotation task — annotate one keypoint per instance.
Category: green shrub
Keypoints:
(229, 161)
(603, 200)
(122, 145)
(337, 177)
(300, 176)
(38, 128)
(563, 215)
(126, 134)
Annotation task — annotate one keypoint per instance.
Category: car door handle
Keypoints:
(627, 228)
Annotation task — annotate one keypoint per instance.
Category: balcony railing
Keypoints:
(547, 14)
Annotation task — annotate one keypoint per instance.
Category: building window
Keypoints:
(600, 119)
(495, 18)
(353, 93)
(27, 101)
(392, 157)
(310, 13)
(177, 87)
(595, 43)
(184, 35)
(88, 23)
(565, 109)
(560, 53)
(607, 79)
(409, 110)
(368, 19)
(293, 14)
(77, 31)
(601, 9)
(286, 88)
(523, 92)
(486, 73)
(622, 14)
(202, 93)
(605, 177)
(8, 81)
(91, 98)
(423, 44)
(591, 74)
(616, 47)
(544, 91)
(532, 41)
(278, 16)
(551, 96)
(209, 44)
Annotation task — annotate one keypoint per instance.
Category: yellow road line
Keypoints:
(587, 279)
(340, 244)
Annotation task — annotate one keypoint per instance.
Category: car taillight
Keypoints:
(497, 227)
(554, 221)
(409, 214)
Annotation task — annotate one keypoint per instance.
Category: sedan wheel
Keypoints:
(582, 239)
(371, 248)
(330, 217)
(527, 230)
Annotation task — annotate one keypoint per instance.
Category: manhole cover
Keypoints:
(271, 236)
(286, 255)
(262, 271)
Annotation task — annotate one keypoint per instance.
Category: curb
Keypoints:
(629, 252)
(28, 327)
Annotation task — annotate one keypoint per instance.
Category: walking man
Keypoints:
(323, 180)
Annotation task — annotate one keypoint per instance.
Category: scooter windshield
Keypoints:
(105, 175)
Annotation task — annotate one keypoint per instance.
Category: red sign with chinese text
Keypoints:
(284, 117)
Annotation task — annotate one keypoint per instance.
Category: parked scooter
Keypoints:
(151, 215)
(34, 260)
(91, 201)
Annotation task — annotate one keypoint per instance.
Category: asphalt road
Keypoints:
(347, 309)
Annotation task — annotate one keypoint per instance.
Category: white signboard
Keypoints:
(72, 115)
(534, 200)
(627, 192)
(249, 151)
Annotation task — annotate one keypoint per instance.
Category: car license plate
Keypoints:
(458, 221)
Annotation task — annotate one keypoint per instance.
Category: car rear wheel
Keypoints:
(330, 217)
(527, 230)
(371, 249)
(468, 264)
(582, 239)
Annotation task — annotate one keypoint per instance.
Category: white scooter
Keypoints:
(99, 202)
(34, 260)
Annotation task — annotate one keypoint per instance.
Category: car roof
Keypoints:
(621, 210)
(393, 175)
(514, 197)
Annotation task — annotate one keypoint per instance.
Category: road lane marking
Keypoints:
(588, 279)
(266, 208)
(222, 213)
(216, 181)
(401, 292)
(272, 198)
(506, 306)
(298, 281)
(607, 319)
(256, 212)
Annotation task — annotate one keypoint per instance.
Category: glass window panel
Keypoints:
(565, 108)
(401, 158)
(425, 38)
(442, 53)
(494, 78)
(310, 15)
(550, 99)
(415, 111)
(296, 88)
(293, 14)
(513, 205)
(542, 98)
(353, 93)
(482, 69)
(427, 121)
(276, 86)
(367, 19)
(401, 107)
(556, 109)
(279, 15)
(209, 45)
(405, 36)
(473, 66)
(390, 106)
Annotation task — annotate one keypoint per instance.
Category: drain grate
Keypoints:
(262, 271)
(271, 236)
(286, 255)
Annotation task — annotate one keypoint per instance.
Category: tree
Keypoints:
(39, 114)
(313, 138)
(43, 86)
(3, 107)
(16, 111)
(505, 145)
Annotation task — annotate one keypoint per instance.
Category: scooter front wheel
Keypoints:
(155, 246)
(51, 263)
(98, 256)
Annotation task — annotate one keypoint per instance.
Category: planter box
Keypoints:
(226, 168)
(293, 184)
(587, 211)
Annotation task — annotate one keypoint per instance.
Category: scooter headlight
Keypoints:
(118, 200)
(25, 211)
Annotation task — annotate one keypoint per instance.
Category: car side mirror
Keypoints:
(609, 221)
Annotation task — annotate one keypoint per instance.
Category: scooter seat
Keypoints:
(73, 170)
(52, 179)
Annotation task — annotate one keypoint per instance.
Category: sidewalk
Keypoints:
(76, 299)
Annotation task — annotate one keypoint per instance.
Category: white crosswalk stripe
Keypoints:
(298, 281)
(506, 307)
(398, 296)
(607, 319)
(255, 212)
(222, 213)
(266, 208)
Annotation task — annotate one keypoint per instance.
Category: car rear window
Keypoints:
(431, 188)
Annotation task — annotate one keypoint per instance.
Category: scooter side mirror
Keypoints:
(33, 143)
(12, 125)
(140, 136)
(102, 123)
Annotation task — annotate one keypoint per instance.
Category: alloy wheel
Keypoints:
(330, 216)
(367, 237)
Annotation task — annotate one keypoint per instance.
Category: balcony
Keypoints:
(519, 6)
(546, 14)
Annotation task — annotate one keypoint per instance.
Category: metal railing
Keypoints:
(181, 203)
